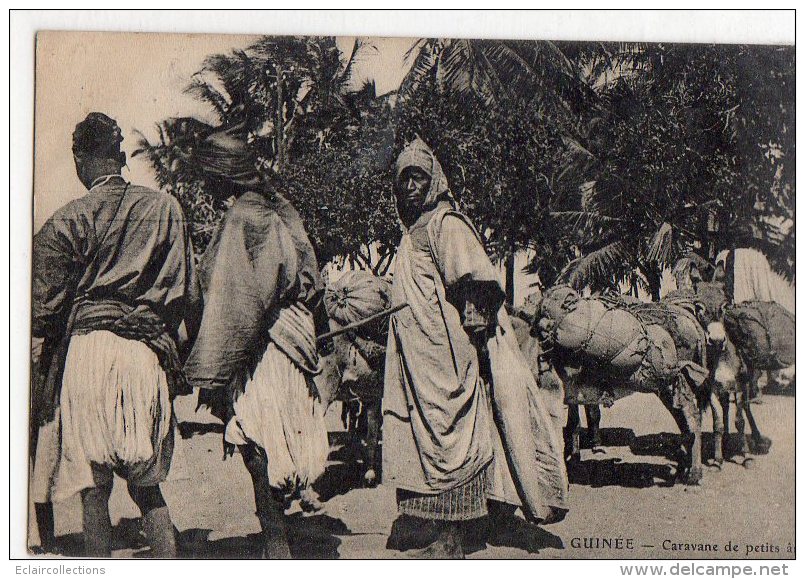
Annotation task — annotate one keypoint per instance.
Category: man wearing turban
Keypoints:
(257, 341)
(440, 441)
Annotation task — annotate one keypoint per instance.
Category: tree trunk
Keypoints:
(654, 285)
(279, 122)
(510, 276)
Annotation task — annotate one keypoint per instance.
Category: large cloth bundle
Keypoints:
(661, 362)
(598, 329)
(355, 296)
(619, 338)
(678, 317)
(763, 332)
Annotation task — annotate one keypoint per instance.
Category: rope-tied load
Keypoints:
(594, 327)
(357, 296)
(609, 336)
(764, 332)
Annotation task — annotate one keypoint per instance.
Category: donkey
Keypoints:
(681, 399)
(351, 375)
(730, 376)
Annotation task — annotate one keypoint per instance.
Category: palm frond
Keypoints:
(424, 55)
(207, 93)
(601, 268)
(661, 247)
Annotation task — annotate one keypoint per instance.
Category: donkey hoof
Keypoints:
(760, 445)
(309, 501)
(693, 476)
(370, 478)
(716, 464)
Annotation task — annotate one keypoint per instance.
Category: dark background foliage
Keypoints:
(608, 161)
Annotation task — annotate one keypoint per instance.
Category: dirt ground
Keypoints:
(624, 491)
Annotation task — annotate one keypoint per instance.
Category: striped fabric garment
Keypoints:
(115, 411)
(279, 413)
(462, 503)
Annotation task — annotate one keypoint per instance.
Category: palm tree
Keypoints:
(307, 119)
(655, 155)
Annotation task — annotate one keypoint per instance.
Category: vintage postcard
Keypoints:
(337, 297)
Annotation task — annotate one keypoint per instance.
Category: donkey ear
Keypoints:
(719, 274)
(701, 312)
(695, 275)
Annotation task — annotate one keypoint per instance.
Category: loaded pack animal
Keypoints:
(743, 340)
(353, 358)
(604, 349)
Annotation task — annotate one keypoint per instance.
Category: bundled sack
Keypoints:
(596, 327)
(661, 362)
(355, 296)
(763, 332)
(678, 317)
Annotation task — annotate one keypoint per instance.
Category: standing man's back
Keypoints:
(112, 283)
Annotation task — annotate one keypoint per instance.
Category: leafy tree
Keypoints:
(660, 161)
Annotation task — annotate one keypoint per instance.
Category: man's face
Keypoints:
(412, 188)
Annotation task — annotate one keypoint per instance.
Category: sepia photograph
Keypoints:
(369, 297)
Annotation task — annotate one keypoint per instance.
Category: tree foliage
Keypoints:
(608, 161)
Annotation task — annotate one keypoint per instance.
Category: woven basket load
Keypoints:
(763, 332)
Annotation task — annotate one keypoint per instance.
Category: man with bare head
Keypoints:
(112, 284)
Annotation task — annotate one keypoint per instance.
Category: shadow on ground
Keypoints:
(409, 534)
(191, 429)
(309, 536)
(126, 535)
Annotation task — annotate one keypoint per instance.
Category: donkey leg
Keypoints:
(740, 424)
(683, 458)
(718, 430)
(691, 412)
(758, 444)
(593, 413)
(372, 438)
(572, 443)
(724, 399)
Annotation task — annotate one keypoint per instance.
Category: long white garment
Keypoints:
(755, 280)
(115, 411)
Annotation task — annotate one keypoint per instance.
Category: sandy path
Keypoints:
(622, 493)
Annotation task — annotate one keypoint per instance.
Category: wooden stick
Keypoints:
(360, 323)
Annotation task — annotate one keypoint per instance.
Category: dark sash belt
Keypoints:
(134, 323)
